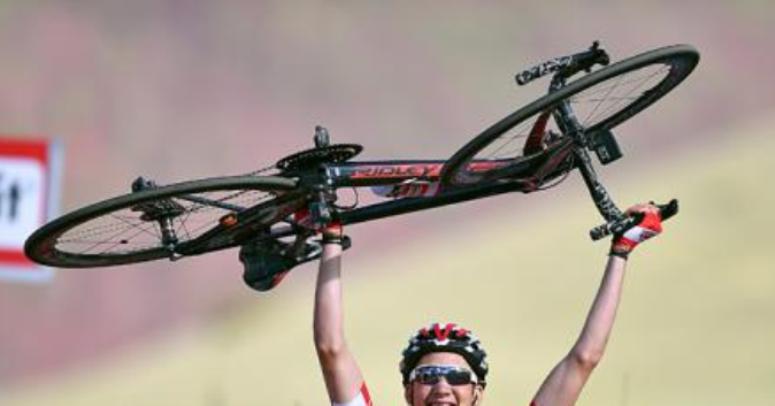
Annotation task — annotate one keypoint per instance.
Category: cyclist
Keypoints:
(445, 364)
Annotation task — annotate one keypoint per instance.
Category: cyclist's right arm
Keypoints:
(343, 378)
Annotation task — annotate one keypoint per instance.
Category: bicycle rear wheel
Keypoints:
(600, 101)
(163, 222)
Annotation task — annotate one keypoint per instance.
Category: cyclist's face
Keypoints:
(442, 393)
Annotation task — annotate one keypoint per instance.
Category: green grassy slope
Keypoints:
(695, 326)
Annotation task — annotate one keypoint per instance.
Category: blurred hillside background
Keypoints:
(175, 90)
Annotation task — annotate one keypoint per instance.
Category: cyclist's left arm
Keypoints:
(564, 383)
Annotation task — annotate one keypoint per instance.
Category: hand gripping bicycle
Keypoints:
(273, 214)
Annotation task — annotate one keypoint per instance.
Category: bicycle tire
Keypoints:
(96, 235)
(679, 60)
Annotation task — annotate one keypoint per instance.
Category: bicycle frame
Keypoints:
(372, 174)
(410, 204)
(375, 173)
(355, 174)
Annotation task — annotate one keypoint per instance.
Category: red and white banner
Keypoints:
(29, 195)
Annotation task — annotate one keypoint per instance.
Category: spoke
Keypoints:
(601, 88)
(608, 93)
(504, 141)
(111, 239)
(155, 235)
(96, 243)
(183, 226)
(619, 98)
(126, 218)
(200, 227)
(120, 242)
(514, 152)
(193, 232)
(185, 230)
(203, 201)
(507, 140)
(114, 228)
(100, 228)
(184, 221)
(238, 193)
(220, 204)
(638, 86)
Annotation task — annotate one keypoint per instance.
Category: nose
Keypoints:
(442, 385)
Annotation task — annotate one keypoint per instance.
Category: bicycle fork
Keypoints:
(607, 151)
(605, 205)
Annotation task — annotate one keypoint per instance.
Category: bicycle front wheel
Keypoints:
(178, 219)
(600, 101)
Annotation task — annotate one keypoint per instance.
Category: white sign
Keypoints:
(29, 179)
(22, 204)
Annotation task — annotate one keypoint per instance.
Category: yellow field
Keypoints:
(696, 326)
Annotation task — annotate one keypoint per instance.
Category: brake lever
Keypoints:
(625, 223)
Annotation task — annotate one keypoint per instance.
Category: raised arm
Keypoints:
(564, 383)
(343, 378)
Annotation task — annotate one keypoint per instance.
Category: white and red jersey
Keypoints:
(364, 399)
(361, 399)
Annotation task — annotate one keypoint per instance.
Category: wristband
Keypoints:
(344, 241)
(619, 253)
(333, 239)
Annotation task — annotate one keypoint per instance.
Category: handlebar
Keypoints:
(621, 225)
(567, 66)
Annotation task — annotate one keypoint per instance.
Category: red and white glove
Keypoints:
(650, 226)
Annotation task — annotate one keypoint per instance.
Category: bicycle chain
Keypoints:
(262, 170)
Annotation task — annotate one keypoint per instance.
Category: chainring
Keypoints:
(313, 157)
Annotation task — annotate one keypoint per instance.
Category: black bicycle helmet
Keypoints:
(444, 338)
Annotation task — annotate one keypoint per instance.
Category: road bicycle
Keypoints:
(274, 214)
